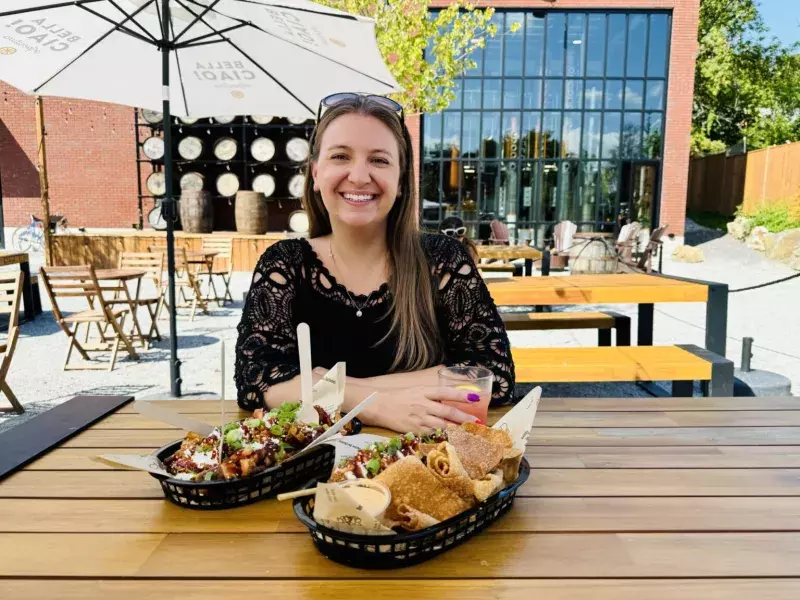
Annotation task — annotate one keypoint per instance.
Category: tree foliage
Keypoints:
(747, 85)
(406, 30)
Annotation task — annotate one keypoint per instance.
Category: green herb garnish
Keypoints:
(373, 466)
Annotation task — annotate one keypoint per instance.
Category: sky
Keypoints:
(783, 19)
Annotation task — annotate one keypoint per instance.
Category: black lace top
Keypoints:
(291, 285)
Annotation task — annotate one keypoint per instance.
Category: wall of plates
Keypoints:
(223, 155)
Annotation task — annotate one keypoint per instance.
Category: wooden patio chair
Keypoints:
(10, 294)
(153, 264)
(499, 233)
(187, 285)
(626, 244)
(563, 234)
(81, 282)
(221, 267)
(644, 261)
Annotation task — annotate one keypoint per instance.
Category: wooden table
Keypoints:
(504, 252)
(21, 258)
(634, 288)
(663, 499)
(123, 276)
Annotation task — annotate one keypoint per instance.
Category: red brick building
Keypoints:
(583, 113)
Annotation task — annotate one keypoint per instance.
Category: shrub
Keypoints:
(776, 218)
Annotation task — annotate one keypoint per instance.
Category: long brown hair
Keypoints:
(410, 282)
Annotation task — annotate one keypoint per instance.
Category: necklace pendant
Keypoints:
(358, 313)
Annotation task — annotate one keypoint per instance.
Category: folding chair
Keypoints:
(222, 267)
(81, 282)
(626, 241)
(185, 280)
(153, 264)
(10, 294)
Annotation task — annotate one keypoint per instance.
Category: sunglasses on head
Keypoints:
(334, 99)
(457, 232)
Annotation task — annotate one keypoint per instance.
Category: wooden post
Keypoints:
(43, 184)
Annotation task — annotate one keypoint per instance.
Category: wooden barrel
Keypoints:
(197, 211)
(251, 212)
(592, 253)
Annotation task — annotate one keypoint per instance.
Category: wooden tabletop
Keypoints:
(12, 258)
(634, 288)
(628, 499)
(119, 274)
(508, 252)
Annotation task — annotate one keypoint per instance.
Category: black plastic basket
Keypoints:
(406, 549)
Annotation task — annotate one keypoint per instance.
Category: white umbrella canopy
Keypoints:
(268, 57)
(193, 58)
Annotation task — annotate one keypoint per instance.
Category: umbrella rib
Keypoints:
(124, 30)
(139, 25)
(20, 11)
(248, 57)
(92, 45)
(192, 41)
(180, 71)
(315, 53)
(298, 9)
(190, 25)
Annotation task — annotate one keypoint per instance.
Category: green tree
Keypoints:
(746, 84)
(407, 29)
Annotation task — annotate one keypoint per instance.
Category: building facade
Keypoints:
(582, 113)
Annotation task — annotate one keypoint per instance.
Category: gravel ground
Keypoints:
(770, 315)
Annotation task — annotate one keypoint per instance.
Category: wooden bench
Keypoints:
(498, 267)
(682, 365)
(604, 322)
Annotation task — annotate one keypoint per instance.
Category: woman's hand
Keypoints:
(417, 409)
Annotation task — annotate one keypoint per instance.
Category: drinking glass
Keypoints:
(476, 380)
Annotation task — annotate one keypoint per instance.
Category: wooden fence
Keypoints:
(760, 178)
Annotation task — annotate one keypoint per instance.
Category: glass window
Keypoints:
(657, 52)
(632, 135)
(512, 93)
(588, 192)
(433, 136)
(569, 185)
(596, 46)
(534, 45)
(469, 193)
(615, 58)
(488, 198)
(573, 94)
(548, 190)
(458, 91)
(491, 93)
(611, 127)
(591, 134)
(613, 94)
(533, 94)
(511, 125)
(471, 136)
(551, 134)
(576, 25)
(556, 30)
(477, 57)
(608, 196)
(513, 64)
(571, 136)
(553, 91)
(450, 179)
(531, 134)
(637, 44)
(528, 183)
(594, 94)
(472, 93)
(634, 92)
(429, 187)
(653, 131)
(493, 61)
(452, 134)
(655, 95)
(507, 194)
(491, 135)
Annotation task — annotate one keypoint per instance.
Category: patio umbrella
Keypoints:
(194, 58)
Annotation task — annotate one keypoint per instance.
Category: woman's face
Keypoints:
(358, 171)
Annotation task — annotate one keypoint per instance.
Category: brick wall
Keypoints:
(91, 158)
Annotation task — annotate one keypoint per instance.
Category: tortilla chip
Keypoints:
(447, 467)
(413, 520)
(495, 436)
(488, 486)
(478, 455)
(412, 484)
(512, 458)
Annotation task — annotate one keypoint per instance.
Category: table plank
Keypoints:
(290, 556)
(546, 482)
(448, 589)
(529, 515)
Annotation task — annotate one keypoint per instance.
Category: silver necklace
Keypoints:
(359, 310)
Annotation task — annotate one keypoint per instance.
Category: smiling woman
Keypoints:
(394, 304)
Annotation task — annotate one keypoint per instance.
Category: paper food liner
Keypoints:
(336, 509)
(348, 447)
(327, 393)
(519, 420)
(148, 463)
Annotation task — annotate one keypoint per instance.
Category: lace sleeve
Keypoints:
(472, 328)
(266, 350)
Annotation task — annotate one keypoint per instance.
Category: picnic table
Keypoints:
(122, 276)
(506, 252)
(627, 499)
(634, 288)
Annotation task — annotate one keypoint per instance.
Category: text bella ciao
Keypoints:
(40, 33)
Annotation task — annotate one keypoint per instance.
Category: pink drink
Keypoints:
(476, 380)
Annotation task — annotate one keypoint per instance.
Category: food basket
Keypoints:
(405, 549)
(216, 495)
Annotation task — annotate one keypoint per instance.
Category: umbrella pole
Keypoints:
(168, 207)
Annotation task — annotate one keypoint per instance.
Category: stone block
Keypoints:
(783, 245)
(755, 240)
(688, 254)
(740, 228)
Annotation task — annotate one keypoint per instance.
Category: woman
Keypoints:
(454, 227)
(393, 304)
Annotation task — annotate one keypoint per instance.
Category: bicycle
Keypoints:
(31, 236)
